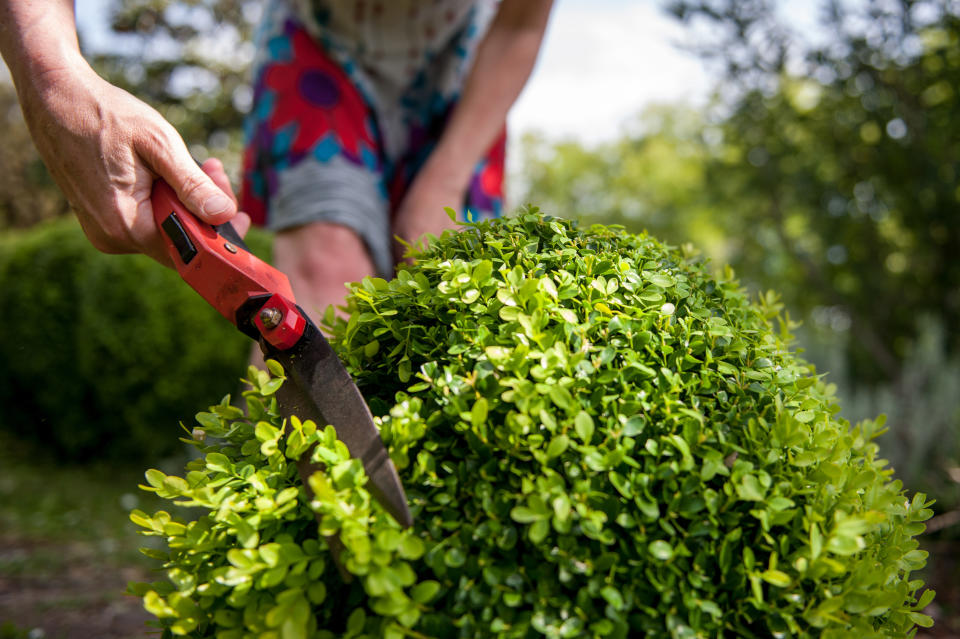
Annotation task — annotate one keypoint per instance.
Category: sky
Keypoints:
(602, 62)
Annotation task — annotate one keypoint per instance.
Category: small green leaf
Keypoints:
(218, 462)
(926, 599)
(558, 445)
(561, 397)
(411, 547)
(612, 596)
(272, 386)
(750, 488)
(155, 477)
(776, 578)
(524, 515)
(275, 368)
(583, 424)
(538, 531)
(922, 620)
(425, 591)
(265, 431)
(356, 622)
(660, 550)
(662, 280)
(634, 426)
(549, 287)
(270, 553)
(478, 415)
(454, 557)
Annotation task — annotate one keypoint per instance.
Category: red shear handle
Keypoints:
(226, 275)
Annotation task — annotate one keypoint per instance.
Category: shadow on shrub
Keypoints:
(103, 355)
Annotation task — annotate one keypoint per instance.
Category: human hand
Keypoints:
(214, 168)
(105, 148)
(422, 212)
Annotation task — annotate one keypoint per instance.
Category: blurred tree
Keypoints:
(842, 160)
(652, 180)
(188, 59)
(27, 192)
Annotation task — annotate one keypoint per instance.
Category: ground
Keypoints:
(68, 551)
(53, 590)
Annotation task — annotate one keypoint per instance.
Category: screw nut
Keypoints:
(271, 317)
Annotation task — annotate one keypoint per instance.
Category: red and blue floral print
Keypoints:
(307, 107)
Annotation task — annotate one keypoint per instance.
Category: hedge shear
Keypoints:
(258, 300)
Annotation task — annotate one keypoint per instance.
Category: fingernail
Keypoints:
(215, 205)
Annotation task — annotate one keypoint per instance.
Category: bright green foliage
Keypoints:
(597, 439)
(255, 564)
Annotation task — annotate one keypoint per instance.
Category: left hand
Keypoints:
(422, 211)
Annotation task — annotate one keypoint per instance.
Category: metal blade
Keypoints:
(319, 388)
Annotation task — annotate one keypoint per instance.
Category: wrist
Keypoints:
(448, 168)
(37, 41)
(57, 94)
(47, 71)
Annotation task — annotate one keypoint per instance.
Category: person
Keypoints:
(368, 119)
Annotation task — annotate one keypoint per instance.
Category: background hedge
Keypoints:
(103, 354)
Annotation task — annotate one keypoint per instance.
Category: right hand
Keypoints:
(105, 148)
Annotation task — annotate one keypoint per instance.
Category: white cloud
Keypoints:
(602, 62)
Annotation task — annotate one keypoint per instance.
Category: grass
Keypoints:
(41, 499)
(68, 548)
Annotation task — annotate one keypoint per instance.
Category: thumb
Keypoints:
(198, 192)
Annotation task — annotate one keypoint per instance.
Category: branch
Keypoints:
(941, 522)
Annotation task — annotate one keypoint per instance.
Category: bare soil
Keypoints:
(67, 591)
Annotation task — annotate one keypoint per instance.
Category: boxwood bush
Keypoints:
(597, 439)
(103, 355)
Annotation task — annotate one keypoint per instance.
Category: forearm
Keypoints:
(37, 39)
(503, 63)
(103, 146)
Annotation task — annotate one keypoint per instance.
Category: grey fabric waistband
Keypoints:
(337, 192)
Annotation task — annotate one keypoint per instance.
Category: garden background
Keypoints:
(821, 163)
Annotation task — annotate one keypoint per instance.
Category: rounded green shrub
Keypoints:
(103, 355)
(597, 439)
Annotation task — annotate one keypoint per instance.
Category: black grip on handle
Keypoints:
(181, 241)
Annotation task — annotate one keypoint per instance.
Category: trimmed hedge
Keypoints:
(103, 355)
(597, 439)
